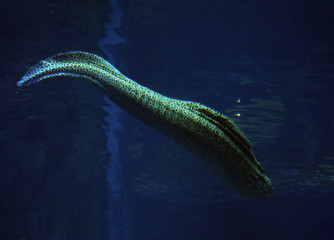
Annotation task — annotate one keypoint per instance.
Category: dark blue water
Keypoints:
(75, 166)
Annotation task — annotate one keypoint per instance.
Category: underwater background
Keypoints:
(75, 166)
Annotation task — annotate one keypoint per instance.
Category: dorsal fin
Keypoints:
(218, 119)
(225, 125)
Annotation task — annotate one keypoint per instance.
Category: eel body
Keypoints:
(206, 132)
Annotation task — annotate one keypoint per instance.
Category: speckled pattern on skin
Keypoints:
(206, 132)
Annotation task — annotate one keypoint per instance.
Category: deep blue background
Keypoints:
(269, 65)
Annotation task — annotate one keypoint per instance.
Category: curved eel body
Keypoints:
(206, 132)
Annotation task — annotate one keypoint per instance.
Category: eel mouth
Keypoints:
(268, 190)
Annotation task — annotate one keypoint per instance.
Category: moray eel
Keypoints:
(206, 132)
